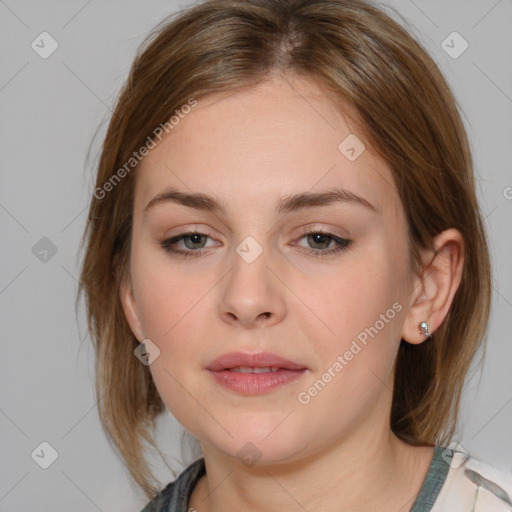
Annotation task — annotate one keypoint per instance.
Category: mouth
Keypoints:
(254, 374)
(261, 362)
(255, 369)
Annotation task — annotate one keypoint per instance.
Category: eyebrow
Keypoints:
(291, 203)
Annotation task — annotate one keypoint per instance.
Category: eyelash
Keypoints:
(343, 244)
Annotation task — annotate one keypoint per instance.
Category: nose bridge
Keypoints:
(251, 289)
(250, 265)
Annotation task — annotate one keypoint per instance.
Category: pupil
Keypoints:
(195, 238)
(318, 235)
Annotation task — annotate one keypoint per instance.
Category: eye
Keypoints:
(324, 239)
(194, 243)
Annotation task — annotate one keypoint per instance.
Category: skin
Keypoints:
(250, 149)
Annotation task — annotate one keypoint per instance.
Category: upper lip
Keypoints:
(258, 360)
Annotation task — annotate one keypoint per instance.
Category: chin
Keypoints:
(254, 446)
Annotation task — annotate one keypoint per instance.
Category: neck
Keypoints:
(374, 471)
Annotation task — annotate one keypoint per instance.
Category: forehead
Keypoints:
(255, 146)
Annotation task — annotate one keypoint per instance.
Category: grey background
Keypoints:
(49, 111)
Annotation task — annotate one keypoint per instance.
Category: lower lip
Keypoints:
(256, 383)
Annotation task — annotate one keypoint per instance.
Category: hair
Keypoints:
(404, 108)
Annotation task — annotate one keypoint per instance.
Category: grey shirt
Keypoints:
(176, 495)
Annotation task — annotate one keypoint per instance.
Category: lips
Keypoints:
(261, 362)
(254, 374)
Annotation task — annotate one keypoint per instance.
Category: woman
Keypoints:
(284, 249)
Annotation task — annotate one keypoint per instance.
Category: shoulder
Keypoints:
(474, 485)
(174, 496)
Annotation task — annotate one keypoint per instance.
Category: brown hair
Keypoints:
(405, 110)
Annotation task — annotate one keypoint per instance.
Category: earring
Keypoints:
(424, 329)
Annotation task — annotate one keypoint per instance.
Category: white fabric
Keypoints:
(460, 494)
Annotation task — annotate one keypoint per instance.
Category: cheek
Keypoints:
(364, 314)
(354, 298)
(165, 294)
(356, 356)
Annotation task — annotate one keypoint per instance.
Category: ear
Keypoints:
(432, 292)
(130, 307)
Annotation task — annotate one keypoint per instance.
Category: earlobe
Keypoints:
(130, 308)
(433, 292)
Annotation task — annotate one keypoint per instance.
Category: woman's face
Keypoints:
(261, 284)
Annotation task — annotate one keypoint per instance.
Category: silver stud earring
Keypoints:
(424, 329)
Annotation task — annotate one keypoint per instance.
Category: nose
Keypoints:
(253, 294)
